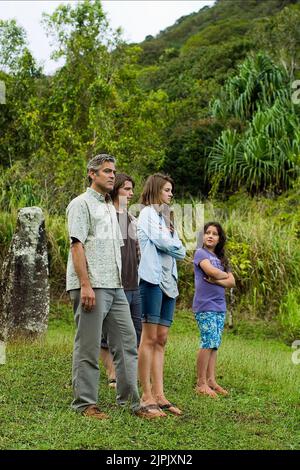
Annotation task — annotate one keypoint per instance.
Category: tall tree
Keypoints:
(280, 36)
(93, 104)
(13, 42)
(20, 74)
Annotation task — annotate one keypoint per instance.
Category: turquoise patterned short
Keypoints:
(211, 325)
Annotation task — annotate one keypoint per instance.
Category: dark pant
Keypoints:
(135, 305)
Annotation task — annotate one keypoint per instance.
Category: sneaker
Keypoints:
(92, 411)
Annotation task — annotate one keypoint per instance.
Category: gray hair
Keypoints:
(95, 163)
(98, 160)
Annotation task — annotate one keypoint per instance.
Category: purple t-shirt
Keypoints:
(208, 297)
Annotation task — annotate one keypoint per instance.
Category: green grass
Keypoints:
(262, 412)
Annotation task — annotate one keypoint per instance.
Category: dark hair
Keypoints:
(120, 180)
(153, 187)
(219, 249)
(96, 162)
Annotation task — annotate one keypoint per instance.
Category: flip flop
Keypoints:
(168, 406)
(145, 412)
(112, 383)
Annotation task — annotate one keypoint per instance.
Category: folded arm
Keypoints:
(149, 228)
(228, 283)
(211, 271)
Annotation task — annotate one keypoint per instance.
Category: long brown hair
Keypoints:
(152, 189)
(219, 249)
(151, 196)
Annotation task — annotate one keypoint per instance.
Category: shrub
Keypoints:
(289, 314)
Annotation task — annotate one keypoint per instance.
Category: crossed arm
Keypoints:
(216, 276)
(150, 229)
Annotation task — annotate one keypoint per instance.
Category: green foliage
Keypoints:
(280, 36)
(101, 109)
(78, 31)
(270, 255)
(187, 154)
(12, 44)
(240, 259)
(265, 156)
(186, 27)
(263, 251)
(19, 117)
(289, 314)
(216, 34)
(58, 248)
(90, 105)
(7, 228)
(207, 48)
(103, 99)
(17, 189)
(257, 85)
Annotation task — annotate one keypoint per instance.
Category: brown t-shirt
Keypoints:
(128, 253)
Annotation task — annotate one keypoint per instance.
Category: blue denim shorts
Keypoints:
(211, 325)
(157, 307)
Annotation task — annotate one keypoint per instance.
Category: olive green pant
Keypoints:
(112, 316)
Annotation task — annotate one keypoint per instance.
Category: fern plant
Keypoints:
(265, 156)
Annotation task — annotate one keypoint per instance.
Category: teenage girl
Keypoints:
(160, 247)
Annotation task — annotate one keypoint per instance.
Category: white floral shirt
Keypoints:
(92, 220)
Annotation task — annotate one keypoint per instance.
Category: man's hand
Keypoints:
(88, 299)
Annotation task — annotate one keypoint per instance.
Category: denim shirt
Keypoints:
(154, 238)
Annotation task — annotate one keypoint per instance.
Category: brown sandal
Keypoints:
(112, 383)
(145, 412)
(168, 406)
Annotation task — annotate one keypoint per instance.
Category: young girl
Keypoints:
(160, 247)
(212, 276)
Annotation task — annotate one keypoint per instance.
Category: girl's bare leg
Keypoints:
(157, 370)
(211, 374)
(202, 387)
(145, 362)
(107, 360)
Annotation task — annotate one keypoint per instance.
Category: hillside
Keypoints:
(192, 60)
(176, 36)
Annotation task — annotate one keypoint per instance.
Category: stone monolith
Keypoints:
(24, 286)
